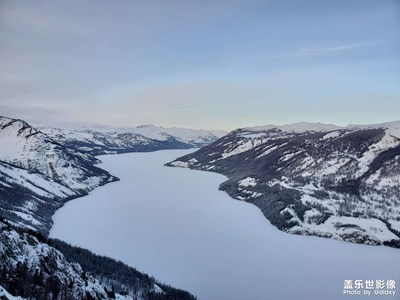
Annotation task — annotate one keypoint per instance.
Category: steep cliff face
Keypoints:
(314, 179)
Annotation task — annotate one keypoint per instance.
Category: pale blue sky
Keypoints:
(200, 64)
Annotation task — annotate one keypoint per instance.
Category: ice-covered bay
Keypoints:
(176, 225)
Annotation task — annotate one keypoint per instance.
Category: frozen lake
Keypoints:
(175, 225)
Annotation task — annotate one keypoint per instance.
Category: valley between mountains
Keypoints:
(40, 170)
(308, 179)
(175, 224)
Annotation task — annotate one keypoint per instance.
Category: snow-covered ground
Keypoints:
(176, 225)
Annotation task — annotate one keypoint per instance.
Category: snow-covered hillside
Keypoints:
(296, 127)
(108, 140)
(314, 179)
(193, 137)
(38, 174)
(22, 252)
(26, 147)
(32, 268)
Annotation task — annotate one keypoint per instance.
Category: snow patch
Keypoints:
(331, 135)
(248, 181)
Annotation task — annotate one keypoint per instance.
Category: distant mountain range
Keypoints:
(109, 140)
(313, 178)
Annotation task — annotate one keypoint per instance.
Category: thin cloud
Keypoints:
(318, 51)
(315, 51)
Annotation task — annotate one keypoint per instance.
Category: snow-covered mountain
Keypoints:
(314, 179)
(107, 140)
(42, 168)
(38, 174)
(28, 148)
(296, 127)
(194, 137)
(33, 268)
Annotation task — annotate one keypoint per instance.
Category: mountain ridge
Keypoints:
(338, 183)
(318, 126)
(38, 174)
(137, 139)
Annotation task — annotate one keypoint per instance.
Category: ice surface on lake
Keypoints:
(175, 225)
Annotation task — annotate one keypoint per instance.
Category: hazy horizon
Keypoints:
(62, 124)
(216, 65)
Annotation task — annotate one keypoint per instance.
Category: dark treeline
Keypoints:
(43, 284)
(19, 279)
(33, 284)
(122, 278)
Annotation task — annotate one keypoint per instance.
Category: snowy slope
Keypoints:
(296, 127)
(107, 140)
(190, 136)
(38, 175)
(29, 148)
(314, 179)
(25, 251)
(29, 199)
(32, 267)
